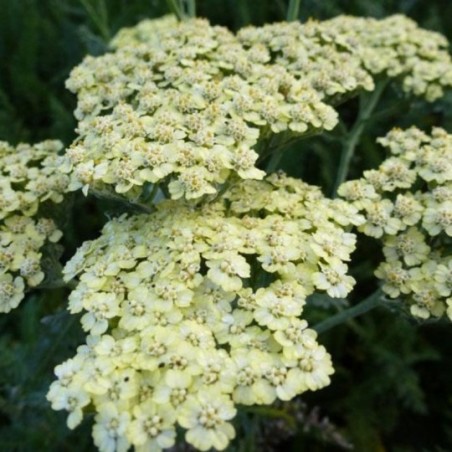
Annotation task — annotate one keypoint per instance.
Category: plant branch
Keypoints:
(277, 150)
(366, 108)
(125, 201)
(369, 303)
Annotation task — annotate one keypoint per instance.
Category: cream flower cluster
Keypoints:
(308, 51)
(146, 31)
(397, 48)
(29, 176)
(407, 203)
(184, 109)
(193, 310)
(313, 51)
(340, 55)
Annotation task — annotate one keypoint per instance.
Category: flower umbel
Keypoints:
(414, 224)
(29, 177)
(184, 325)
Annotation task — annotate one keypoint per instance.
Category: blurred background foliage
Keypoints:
(392, 390)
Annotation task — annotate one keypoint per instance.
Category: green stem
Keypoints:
(174, 6)
(366, 107)
(190, 8)
(274, 162)
(293, 10)
(148, 194)
(117, 198)
(275, 153)
(277, 150)
(154, 191)
(369, 303)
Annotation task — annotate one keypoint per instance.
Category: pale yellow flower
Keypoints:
(11, 292)
(443, 278)
(110, 428)
(409, 246)
(333, 279)
(152, 427)
(205, 417)
(72, 400)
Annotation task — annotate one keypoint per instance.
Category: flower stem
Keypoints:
(175, 7)
(276, 151)
(121, 199)
(190, 8)
(274, 162)
(293, 10)
(366, 107)
(369, 303)
(183, 9)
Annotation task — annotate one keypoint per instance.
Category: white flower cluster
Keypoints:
(184, 109)
(397, 48)
(407, 203)
(191, 311)
(29, 176)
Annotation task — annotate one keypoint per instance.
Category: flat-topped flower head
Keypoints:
(144, 31)
(183, 107)
(193, 310)
(342, 56)
(397, 48)
(30, 175)
(313, 51)
(407, 203)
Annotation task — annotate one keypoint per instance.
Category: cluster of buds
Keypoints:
(407, 203)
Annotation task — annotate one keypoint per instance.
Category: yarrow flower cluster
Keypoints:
(312, 51)
(341, 55)
(193, 310)
(396, 47)
(184, 109)
(30, 175)
(146, 31)
(407, 203)
(197, 307)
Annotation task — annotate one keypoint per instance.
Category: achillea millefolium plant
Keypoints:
(197, 302)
